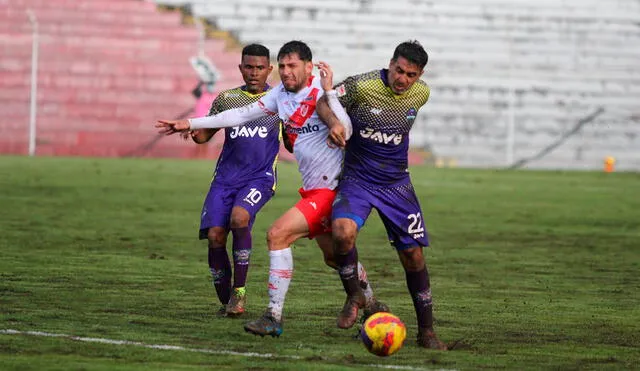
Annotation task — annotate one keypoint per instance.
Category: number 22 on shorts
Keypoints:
(415, 227)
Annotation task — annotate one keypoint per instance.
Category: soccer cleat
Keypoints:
(265, 325)
(349, 313)
(222, 311)
(428, 339)
(236, 304)
(372, 307)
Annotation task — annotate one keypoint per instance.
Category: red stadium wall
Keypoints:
(107, 70)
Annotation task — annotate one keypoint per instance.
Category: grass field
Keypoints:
(533, 270)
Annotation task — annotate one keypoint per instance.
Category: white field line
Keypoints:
(194, 350)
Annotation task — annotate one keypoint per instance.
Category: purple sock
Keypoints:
(220, 272)
(348, 270)
(420, 290)
(241, 255)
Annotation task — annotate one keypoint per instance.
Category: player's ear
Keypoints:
(308, 67)
(240, 68)
(270, 68)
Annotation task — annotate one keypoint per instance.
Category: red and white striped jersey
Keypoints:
(319, 164)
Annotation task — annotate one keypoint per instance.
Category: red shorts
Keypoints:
(316, 208)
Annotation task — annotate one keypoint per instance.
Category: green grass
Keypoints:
(534, 270)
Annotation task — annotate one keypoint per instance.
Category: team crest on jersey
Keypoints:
(304, 109)
(411, 115)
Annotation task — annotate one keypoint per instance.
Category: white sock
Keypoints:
(280, 273)
(364, 282)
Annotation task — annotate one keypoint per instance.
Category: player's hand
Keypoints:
(169, 127)
(337, 137)
(326, 75)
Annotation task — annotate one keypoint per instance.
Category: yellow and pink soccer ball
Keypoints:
(383, 334)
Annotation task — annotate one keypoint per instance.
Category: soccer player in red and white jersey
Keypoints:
(294, 101)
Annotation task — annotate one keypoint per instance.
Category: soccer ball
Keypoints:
(383, 334)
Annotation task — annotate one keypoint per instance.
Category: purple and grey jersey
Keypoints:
(250, 152)
(377, 152)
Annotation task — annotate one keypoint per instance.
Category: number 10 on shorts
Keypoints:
(253, 197)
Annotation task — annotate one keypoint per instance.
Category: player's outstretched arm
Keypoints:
(169, 127)
(225, 119)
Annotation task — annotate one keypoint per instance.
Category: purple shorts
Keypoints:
(397, 206)
(216, 211)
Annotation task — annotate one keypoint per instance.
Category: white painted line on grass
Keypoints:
(194, 350)
(143, 345)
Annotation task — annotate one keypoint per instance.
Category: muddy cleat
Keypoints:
(236, 304)
(265, 325)
(349, 314)
(222, 311)
(372, 307)
(428, 339)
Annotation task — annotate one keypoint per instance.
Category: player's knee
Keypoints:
(239, 217)
(344, 236)
(239, 221)
(276, 236)
(412, 259)
(217, 237)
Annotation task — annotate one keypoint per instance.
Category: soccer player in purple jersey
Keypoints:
(244, 180)
(382, 106)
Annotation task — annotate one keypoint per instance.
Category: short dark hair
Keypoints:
(412, 51)
(297, 47)
(255, 50)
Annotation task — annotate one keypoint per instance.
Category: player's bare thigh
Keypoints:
(291, 226)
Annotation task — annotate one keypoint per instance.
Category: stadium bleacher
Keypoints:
(557, 62)
(543, 66)
(107, 70)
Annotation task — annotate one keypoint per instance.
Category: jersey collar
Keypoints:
(384, 76)
(244, 90)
